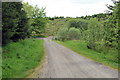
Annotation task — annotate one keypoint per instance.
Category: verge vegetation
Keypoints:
(19, 59)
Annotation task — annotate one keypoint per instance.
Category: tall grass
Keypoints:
(18, 59)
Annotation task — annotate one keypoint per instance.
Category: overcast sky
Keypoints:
(71, 8)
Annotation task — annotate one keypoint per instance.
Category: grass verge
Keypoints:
(18, 59)
(38, 69)
(81, 48)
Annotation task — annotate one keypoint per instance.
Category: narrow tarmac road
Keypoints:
(62, 62)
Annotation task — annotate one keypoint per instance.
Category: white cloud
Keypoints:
(71, 8)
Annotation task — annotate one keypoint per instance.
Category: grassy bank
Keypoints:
(20, 58)
(81, 48)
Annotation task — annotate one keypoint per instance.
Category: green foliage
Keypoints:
(54, 26)
(112, 28)
(28, 9)
(74, 34)
(61, 17)
(52, 18)
(111, 7)
(68, 34)
(39, 20)
(21, 57)
(63, 34)
(82, 24)
(100, 16)
(14, 22)
(21, 20)
(56, 17)
(94, 33)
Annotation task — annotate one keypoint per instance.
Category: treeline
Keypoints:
(20, 21)
(100, 35)
(100, 16)
(56, 17)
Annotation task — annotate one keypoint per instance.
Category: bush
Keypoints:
(95, 33)
(63, 34)
(74, 34)
(81, 24)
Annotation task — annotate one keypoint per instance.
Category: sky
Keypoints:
(71, 8)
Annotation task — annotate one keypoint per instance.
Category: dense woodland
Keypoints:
(100, 32)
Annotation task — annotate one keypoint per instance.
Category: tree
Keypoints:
(39, 20)
(82, 24)
(61, 17)
(112, 27)
(14, 22)
(29, 10)
(94, 33)
(111, 7)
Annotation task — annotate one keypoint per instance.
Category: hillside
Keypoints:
(54, 25)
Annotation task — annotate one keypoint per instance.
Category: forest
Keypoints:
(96, 37)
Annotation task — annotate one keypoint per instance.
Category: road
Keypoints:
(62, 62)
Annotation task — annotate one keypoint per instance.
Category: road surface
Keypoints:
(62, 62)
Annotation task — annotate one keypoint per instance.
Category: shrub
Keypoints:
(95, 33)
(82, 24)
(63, 34)
(74, 33)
